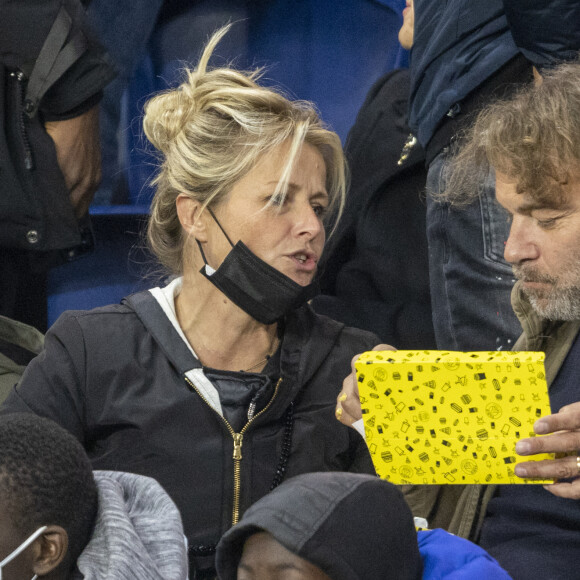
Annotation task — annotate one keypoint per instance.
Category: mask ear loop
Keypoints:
(220, 226)
(200, 247)
(21, 549)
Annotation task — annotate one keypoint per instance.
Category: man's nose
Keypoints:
(521, 245)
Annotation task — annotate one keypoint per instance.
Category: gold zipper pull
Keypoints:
(238, 445)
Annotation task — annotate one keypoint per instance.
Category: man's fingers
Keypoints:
(567, 419)
(78, 152)
(562, 468)
(568, 490)
(563, 442)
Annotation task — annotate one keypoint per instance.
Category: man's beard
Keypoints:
(560, 300)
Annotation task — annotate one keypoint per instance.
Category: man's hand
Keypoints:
(348, 403)
(562, 432)
(78, 152)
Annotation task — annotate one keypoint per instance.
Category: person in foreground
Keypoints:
(222, 383)
(533, 143)
(58, 520)
(343, 526)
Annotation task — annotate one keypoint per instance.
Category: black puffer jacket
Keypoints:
(116, 378)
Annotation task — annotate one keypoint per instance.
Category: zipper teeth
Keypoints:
(237, 490)
(245, 428)
(28, 162)
(251, 410)
(237, 461)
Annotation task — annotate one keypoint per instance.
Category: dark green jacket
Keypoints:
(19, 343)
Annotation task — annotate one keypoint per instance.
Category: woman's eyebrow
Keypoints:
(292, 187)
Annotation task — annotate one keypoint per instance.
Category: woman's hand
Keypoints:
(564, 427)
(348, 403)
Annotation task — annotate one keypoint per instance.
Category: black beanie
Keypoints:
(352, 526)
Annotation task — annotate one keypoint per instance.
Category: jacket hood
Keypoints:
(138, 533)
(335, 521)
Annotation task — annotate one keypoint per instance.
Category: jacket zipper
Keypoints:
(28, 161)
(238, 440)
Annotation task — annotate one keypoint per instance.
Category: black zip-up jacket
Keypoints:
(24, 26)
(51, 69)
(115, 378)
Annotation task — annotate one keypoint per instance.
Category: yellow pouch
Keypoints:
(445, 417)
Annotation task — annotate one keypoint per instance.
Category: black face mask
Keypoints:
(256, 287)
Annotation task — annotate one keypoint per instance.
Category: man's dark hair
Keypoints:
(46, 478)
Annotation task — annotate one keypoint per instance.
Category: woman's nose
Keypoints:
(308, 222)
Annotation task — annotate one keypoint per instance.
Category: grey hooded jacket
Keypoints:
(138, 534)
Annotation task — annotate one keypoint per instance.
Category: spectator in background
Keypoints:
(62, 155)
(376, 270)
(465, 54)
(59, 522)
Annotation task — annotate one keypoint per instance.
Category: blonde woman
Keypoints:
(221, 384)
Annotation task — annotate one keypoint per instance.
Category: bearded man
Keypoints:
(532, 142)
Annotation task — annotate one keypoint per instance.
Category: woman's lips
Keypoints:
(304, 261)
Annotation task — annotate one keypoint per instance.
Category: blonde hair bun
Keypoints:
(211, 130)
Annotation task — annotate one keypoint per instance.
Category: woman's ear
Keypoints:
(50, 550)
(191, 217)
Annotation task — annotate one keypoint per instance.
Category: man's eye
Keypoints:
(547, 223)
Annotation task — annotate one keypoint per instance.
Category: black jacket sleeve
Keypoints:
(24, 26)
(546, 31)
